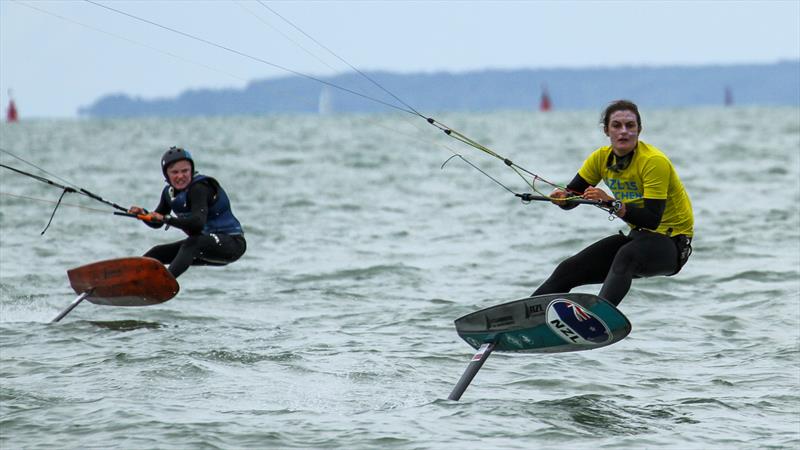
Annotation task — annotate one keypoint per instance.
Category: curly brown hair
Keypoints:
(620, 105)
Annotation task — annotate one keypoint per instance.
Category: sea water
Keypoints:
(335, 330)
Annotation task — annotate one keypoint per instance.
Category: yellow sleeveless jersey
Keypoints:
(649, 175)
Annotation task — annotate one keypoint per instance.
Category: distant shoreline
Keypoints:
(776, 84)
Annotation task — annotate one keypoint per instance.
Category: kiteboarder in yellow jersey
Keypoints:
(201, 209)
(653, 202)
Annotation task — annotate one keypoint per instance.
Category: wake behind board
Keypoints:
(136, 281)
(551, 323)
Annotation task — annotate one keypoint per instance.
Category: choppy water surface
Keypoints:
(336, 328)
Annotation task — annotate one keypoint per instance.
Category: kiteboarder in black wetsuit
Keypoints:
(653, 202)
(201, 209)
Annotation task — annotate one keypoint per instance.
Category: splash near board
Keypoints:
(551, 323)
(135, 281)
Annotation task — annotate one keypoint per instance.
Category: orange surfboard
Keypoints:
(134, 281)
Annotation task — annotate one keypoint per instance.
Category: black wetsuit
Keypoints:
(199, 248)
(616, 260)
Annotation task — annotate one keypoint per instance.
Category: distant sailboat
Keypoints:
(728, 96)
(11, 113)
(545, 104)
(325, 105)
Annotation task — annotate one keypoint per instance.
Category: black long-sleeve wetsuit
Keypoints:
(616, 260)
(198, 248)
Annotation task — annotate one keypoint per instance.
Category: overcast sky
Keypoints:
(66, 54)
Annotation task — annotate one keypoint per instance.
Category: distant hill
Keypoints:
(752, 84)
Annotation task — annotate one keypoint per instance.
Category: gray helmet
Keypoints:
(175, 154)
